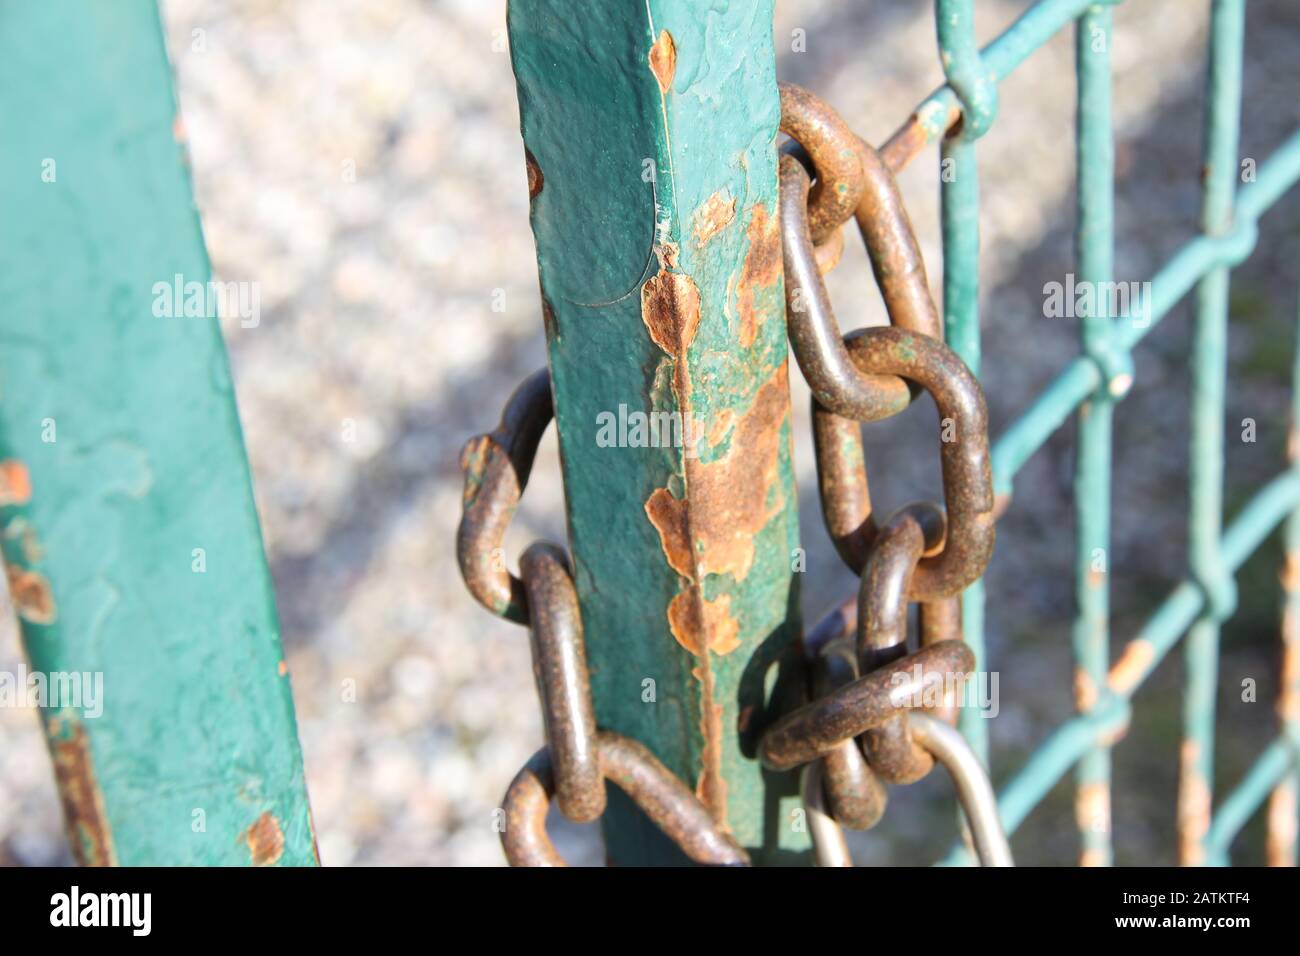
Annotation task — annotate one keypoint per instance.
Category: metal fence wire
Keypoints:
(1233, 199)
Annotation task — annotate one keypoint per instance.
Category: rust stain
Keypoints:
(31, 595)
(1085, 690)
(535, 178)
(720, 425)
(1289, 576)
(668, 515)
(15, 483)
(762, 269)
(548, 320)
(700, 624)
(712, 530)
(83, 803)
(711, 788)
(1092, 811)
(1193, 806)
(670, 309)
(265, 840)
(663, 61)
(1132, 664)
(715, 214)
(1281, 841)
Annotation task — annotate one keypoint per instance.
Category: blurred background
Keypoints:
(361, 160)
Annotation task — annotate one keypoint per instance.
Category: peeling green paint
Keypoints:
(592, 115)
(126, 425)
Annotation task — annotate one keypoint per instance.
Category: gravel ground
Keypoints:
(361, 160)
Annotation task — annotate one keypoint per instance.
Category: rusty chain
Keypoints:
(875, 715)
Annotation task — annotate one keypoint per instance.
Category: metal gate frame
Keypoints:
(615, 94)
(1091, 385)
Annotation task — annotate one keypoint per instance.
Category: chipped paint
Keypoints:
(1085, 690)
(761, 270)
(663, 61)
(84, 815)
(1280, 846)
(715, 214)
(1133, 664)
(700, 624)
(535, 178)
(1193, 806)
(711, 787)
(709, 528)
(15, 483)
(265, 840)
(712, 529)
(31, 595)
(1092, 814)
(670, 309)
(671, 347)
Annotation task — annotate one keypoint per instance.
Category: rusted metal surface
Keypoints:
(968, 482)
(882, 629)
(89, 834)
(893, 249)
(815, 336)
(895, 258)
(496, 467)
(831, 146)
(630, 766)
(265, 840)
(560, 667)
(853, 792)
(660, 267)
(815, 729)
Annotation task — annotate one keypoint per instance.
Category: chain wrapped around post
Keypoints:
(874, 716)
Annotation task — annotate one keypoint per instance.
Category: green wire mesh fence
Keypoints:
(1092, 385)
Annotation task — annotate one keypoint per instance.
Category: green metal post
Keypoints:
(1209, 373)
(1094, 239)
(651, 131)
(976, 88)
(130, 538)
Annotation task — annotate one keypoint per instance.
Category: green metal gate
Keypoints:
(667, 69)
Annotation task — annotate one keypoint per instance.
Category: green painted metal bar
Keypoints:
(1071, 740)
(960, 207)
(650, 132)
(1209, 365)
(1175, 279)
(1095, 242)
(130, 540)
(1031, 30)
(1104, 373)
(1271, 769)
(1050, 763)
